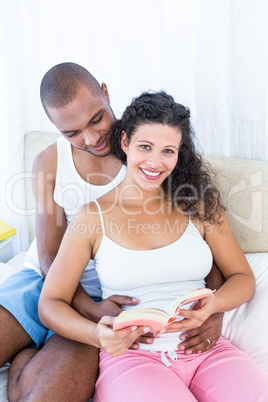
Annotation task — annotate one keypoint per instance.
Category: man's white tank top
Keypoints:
(71, 192)
(156, 277)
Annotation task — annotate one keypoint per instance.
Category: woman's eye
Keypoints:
(169, 151)
(145, 147)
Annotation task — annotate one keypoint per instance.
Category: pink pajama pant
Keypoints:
(222, 374)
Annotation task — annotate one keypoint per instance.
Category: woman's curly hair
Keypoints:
(189, 186)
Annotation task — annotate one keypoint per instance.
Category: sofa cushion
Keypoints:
(243, 185)
(247, 326)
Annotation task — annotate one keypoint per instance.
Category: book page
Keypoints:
(155, 318)
(189, 298)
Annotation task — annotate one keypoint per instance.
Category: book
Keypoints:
(155, 318)
(6, 230)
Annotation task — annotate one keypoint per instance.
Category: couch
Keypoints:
(244, 188)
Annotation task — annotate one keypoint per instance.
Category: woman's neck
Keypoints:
(133, 198)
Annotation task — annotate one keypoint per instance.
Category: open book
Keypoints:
(155, 318)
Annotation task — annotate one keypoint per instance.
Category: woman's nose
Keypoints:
(154, 161)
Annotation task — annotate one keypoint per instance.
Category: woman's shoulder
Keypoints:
(92, 209)
(199, 225)
(108, 200)
(87, 213)
(208, 223)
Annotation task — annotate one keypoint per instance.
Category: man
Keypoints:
(74, 170)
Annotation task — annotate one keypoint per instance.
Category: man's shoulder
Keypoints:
(46, 160)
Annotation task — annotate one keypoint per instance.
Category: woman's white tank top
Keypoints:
(156, 277)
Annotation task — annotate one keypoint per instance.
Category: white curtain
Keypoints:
(211, 55)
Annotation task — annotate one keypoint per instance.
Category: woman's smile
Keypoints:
(151, 174)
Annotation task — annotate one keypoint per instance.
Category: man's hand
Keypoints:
(111, 306)
(94, 311)
(202, 338)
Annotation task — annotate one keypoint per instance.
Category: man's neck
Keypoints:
(96, 170)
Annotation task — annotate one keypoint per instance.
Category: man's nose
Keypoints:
(90, 137)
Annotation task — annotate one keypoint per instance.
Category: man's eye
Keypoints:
(98, 120)
(72, 135)
(145, 146)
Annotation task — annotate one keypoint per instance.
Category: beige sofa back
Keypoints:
(34, 143)
(243, 184)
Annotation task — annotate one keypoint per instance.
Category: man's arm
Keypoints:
(215, 279)
(50, 218)
(205, 337)
(51, 225)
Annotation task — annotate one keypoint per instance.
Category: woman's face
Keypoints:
(152, 154)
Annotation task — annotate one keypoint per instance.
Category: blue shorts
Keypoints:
(19, 294)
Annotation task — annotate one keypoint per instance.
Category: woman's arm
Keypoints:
(61, 282)
(239, 285)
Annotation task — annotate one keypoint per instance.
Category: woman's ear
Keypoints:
(124, 141)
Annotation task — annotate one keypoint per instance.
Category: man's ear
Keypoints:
(105, 92)
(124, 141)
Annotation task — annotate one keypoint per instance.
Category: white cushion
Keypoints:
(6, 270)
(3, 383)
(12, 266)
(247, 326)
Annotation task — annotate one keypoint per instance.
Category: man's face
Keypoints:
(86, 121)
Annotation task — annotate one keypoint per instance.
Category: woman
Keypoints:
(154, 237)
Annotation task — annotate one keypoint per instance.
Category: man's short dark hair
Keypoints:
(61, 83)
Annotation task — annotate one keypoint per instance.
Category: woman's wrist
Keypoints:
(94, 335)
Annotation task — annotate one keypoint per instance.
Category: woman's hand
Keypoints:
(194, 317)
(117, 342)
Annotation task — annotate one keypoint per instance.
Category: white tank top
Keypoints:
(156, 277)
(71, 192)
